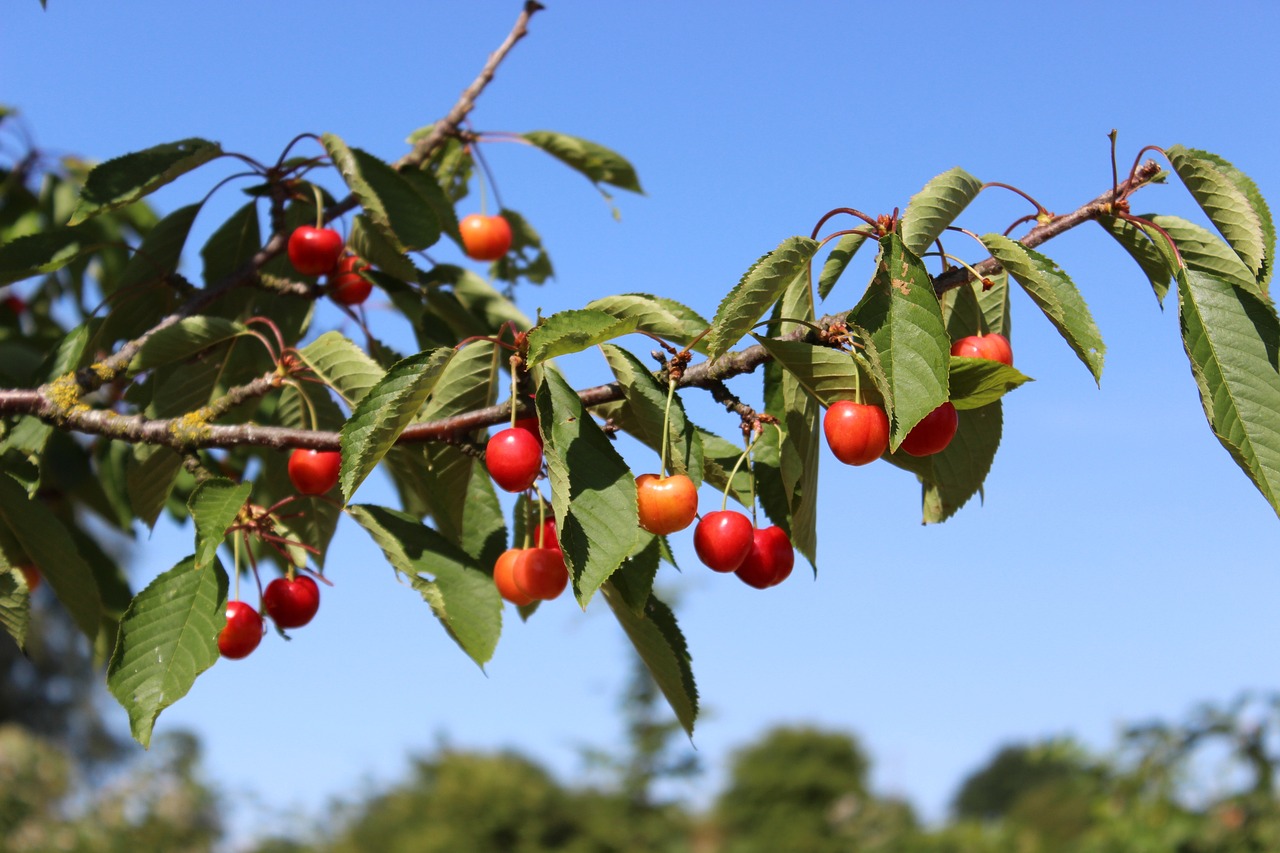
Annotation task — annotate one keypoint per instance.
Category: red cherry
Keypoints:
(14, 304)
(770, 560)
(314, 472)
(485, 238)
(242, 632)
(857, 433)
(504, 577)
(291, 603)
(666, 504)
(530, 425)
(992, 347)
(514, 458)
(314, 251)
(933, 433)
(540, 573)
(32, 576)
(722, 539)
(549, 538)
(346, 284)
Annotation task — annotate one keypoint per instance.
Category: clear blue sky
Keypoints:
(1121, 567)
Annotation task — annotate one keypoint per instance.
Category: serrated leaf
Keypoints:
(827, 374)
(573, 331)
(1225, 203)
(1147, 248)
(657, 639)
(978, 382)
(484, 529)
(838, 261)
(1201, 250)
(656, 315)
(426, 186)
(593, 490)
(168, 636)
(1056, 294)
(647, 400)
(903, 320)
(633, 581)
(141, 295)
(45, 251)
(15, 604)
(149, 479)
(128, 178)
(950, 478)
(232, 245)
(342, 365)
(1259, 204)
(462, 596)
(370, 243)
(757, 292)
(400, 213)
(183, 339)
(384, 412)
(214, 505)
(1232, 339)
(972, 309)
(931, 210)
(600, 165)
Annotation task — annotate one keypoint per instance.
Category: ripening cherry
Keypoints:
(514, 459)
(540, 573)
(291, 603)
(504, 578)
(666, 504)
(314, 251)
(993, 347)
(723, 539)
(857, 433)
(770, 560)
(933, 433)
(347, 286)
(314, 472)
(242, 633)
(485, 238)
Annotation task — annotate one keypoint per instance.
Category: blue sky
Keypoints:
(1121, 567)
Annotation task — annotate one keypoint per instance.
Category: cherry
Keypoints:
(504, 577)
(722, 539)
(770, 560)
(346, 284)
(314, 251)
(242, 632)
(514, 458)
(549, 538)
(540, 573)
(32, 576)
(933, 433)
(992, 347)
(14, 304)
(314, 472)
(291, 603)
(530, 425)
(485, 238)
(857, 433)
(666, 504)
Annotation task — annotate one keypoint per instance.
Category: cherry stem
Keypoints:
(857, 379)
(315, 189)
(235, 549)
(666, 430)
(515, 360)
(306, 402)
(484, 165)
(542, 515)
(1040, 208)
(849, 210)
(1147, 223)
(976, 275)
(796, 320)
(724, 503)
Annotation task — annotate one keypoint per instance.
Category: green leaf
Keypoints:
(719, 456)
(1202, 250)
(978, 382)
(126, 179)
(168, 636)
(47, 544)
(45, 251)
(149, 478)
(141, 295)
(593, 490)
(931, 210)
(15, 604)
(838, 261)
(903, 318)
(384, 412)
(757, 292)
(1056, 294)
(1232, 339)
(1228, 207)
(183, 339)
(971, 309)
(573, 331)
(634, 580)
(462, 596)
(656, 315)
(433, 194)
(526, 258)
(950, 478)
(374, 246)
(1259, 204)
(232, 245)
(214, 505)
(392, 204)
(647, 400)
(599, 164)
(658, 641)
(342, 365)
(827, 374)
(1148, 249)
(484, 529)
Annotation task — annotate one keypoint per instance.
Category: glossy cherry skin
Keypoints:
(485, 238)
(548, 539)
(514, 458)
(314, 251)
(314, 472)
(666, 504)
(346, 285)
(723, 539)
(770, 560)
(933, 433)
(993, 347)
(291, 603)
(505, 580)
(540, 573)
(242, 632)
(857, 433)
